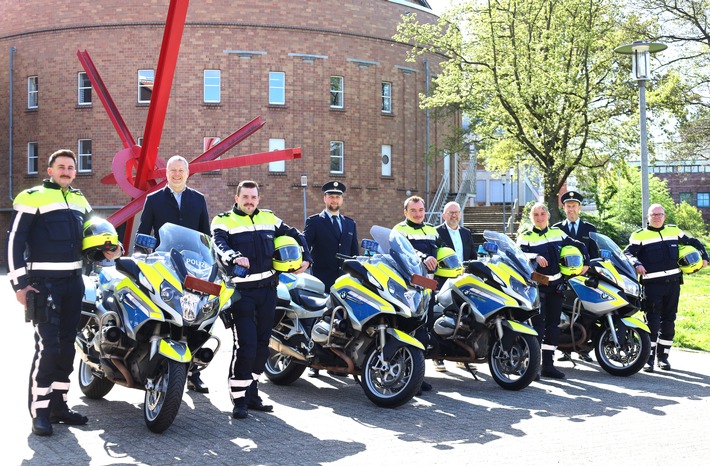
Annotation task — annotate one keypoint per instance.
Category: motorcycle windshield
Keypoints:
(192, 251)
(509, 252)
(618, 258)
(400, 249)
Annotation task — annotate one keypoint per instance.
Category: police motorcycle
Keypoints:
(362, 327)
(147, 318)
(479, 314)
(598, 311)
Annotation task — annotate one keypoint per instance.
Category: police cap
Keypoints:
(570, 196)
(333, 187)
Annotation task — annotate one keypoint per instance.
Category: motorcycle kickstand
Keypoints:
(472, 370)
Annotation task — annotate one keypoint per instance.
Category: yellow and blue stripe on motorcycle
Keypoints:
(485, 298)
(361, 303)
(156, 273)
(602, 299)
(519, 327)
(381, 272)
(171, 349)
(636, 323)
(405, 338)
(137, 306)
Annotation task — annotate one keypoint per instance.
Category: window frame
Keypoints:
(686, 196)
(143, 86)
(211, 86)
(337, 93)
(31, 158)
(386, 99)
(81, 89)
(273, 89)
(337, 155)
(705, 200)
(82, 156)
(280, 165)
(32, 92)
(386, 151)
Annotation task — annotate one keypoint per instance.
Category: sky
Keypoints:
(438, 5)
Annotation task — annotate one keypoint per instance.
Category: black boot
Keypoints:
(548, 366)
(41, 425)
(663, 363)
(59, 412)
(240, 408)
(254, 401)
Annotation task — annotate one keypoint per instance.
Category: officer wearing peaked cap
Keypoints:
(574, 226)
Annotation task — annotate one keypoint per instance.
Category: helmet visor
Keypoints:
(288, 253)
(450, 262)
(572, 261)
(690, 259)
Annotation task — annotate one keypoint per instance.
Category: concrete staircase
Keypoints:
(480, 218)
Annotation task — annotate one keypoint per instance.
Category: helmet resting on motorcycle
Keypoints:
(448, 263)
(287, 254)
(689, 259)
(99, 236)
(571, 261)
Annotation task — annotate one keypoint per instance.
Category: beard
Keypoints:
(333, 209)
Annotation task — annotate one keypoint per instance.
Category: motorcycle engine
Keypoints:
(322, 329)
(444, 326)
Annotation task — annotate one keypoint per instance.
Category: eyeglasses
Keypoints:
(656, 215)
(453, 213)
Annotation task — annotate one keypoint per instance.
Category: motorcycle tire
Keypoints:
(626, 360)
(282, 369)
(397, 381)
(516, 368)
(91, 386)
(162, 402)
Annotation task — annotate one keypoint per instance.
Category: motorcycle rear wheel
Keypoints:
(162, 402)
(627, 359)
(396, 381)
(282, 369)
(91, 386)
(517, 368)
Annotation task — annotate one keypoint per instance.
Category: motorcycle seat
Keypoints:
(309, 301)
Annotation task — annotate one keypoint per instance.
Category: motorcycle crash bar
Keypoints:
(203, 286)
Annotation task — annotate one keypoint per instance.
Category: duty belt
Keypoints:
(661, 274)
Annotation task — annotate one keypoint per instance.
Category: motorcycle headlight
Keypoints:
(631, 287)
(170, 295)
(606, 274)
(189, 303)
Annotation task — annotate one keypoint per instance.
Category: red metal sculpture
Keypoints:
(143, 160)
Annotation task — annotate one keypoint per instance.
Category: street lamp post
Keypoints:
(640, 52)
(503, 179)
(304, 185)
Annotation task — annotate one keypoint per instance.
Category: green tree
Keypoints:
(540, 80)
(626, 207)
(690, 219)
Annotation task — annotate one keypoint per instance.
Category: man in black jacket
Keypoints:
(181, 205)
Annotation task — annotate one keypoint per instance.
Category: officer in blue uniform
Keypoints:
(44, 252)
(327, 234)
(245, 236)
(544, 243)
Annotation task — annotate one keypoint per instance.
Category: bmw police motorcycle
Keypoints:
(598, 312)
(147, 318)
(479, 314)
(361, 327)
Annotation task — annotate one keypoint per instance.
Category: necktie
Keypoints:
(336, 224)
(574, 229)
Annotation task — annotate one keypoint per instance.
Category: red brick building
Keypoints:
(324, 75)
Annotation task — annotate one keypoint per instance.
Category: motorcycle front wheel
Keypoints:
(282, 369)
(393, 382)
(626, 359)
(92, 386)
(163, 397)
(515, 367)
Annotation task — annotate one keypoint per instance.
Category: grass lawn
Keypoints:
(692, 328)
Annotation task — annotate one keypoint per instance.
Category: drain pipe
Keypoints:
(426, 133)
(9, 119)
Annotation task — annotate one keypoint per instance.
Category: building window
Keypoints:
(33, 92)
(208, 142)
(84, 88)
(336, 92)
(336, 157)
(84, 153)
(212, 91)
(280, 166)
(32, 158)
(386, 97)
(685, 197)
(386, 160)
(146, 78)
(277, 88)
(703, 200)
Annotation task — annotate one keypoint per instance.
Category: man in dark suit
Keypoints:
(327, 234)
(178, 204)
(577, 229)
(455, 236)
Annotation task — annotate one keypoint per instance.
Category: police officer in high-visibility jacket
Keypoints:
(544, 243)
(654, 252)
(44, 252)
(245, 236)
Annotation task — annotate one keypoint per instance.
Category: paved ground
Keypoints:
(589, 418)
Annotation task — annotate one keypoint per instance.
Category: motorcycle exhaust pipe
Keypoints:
(279, 347)
(204, 355)
(111, 334)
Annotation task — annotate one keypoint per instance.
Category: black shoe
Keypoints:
(551, 372)
(313, 372)
(41, 426)
(585, 357)
(426, 386)
(195, 383)
(664, 365)
(68, 417)
(648, 367)
(240, 409)
(564, 357)
(258, 405)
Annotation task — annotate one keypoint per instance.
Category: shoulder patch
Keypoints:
(224, 214)
(639, 230)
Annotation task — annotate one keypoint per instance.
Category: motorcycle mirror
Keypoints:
(605, 254)
(146, 241)
(490, 248)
